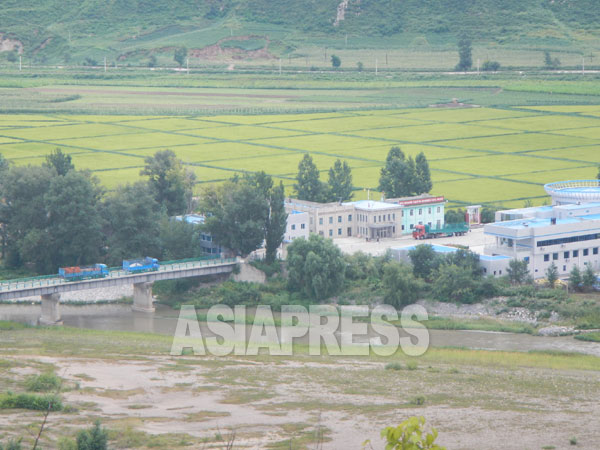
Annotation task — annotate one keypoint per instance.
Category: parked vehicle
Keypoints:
(78, 273)
(451, 229)
(141, 265)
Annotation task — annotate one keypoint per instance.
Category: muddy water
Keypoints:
(163, 321)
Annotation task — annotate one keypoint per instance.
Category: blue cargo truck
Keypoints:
(141, 265)
(78, 273)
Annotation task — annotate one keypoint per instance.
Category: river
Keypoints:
(119, 317)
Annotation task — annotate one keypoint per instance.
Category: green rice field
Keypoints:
(501, 155)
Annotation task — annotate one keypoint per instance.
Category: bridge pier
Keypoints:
(142, 297)
(50, 310)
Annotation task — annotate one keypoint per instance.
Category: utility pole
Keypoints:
(187, 63)
(477, 66)
(105, 64)
(279, 66)
(20, 65)
(582, 65)
(376, 67)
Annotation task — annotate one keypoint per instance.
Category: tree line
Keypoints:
(401, 176)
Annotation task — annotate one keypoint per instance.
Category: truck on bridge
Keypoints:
(451, 229)
(141, 265)
(78, 273)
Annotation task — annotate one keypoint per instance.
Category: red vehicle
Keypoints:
(452, 229)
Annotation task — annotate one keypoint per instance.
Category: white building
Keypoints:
(566, 235)
(297, 226)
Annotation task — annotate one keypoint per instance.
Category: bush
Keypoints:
(239, 293)
(490, 66)
(393, 366)
(34, 402)
(412, 365)
(45, 382)
(418, 400)
(12, 445)
(94, 438)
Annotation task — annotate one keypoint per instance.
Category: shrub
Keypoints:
(94, 438)
(410, 435)
(12, 445)
(573, 441)
(393, 366)
(418, 400)
(490, 66)
(412, 365)
(45, 382)
(34, 402)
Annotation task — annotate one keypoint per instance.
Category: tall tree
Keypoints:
(552, 275)
(172, 185)
(179, 239)
(309, 186)
(424, 183)
(588, 278)
(276, 222)
(598, 175)
(60, 161)
(518, 271)
(425, 261)
(399, 285)
(180, 56)
(133, 219)
(465, 59)
(575, 280)
(398, 176)
(340, 182)
(316, 267)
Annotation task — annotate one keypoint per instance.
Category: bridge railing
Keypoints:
(113, 272)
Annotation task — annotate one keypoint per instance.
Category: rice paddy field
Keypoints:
(489, 155)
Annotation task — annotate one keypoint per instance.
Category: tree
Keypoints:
(400, 286)
(180, 56)
(575, 279)
(316, 267)
(552, 275)
(171, 183)
(490, 66)
(464, 54)
(466, 259)
(236, 214)
(454, 284)
(588, 279)
(179, 239)
(399, 175)
(598, 176)
(424, 183)
(340, 182)
(308, 186)
(132, 218)
(94, 438)
(360, 66)
(410, 435)
(152, 61)
(12, 56)
(425, 261)
(59, 161)
(550, 63)
(336, 61)
(518, 271)
(488, 214)
(454, 215)
(276, 222)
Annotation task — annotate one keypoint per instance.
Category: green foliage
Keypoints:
(340, 182)
(394, 366)
(410, 435)
(171, 183)
(44, 382)
(179, 240)
(550, 63)
(36, 402)
(454, 284)
(425, 261)
(335, 61)
(60, 161)
(359, 66)
(309, 186)
(488, 214)
(575, 281)
(11, 445)
(423, 174)
(180, 56)
(490, 66)
(589, 337)
(588, 279)
(400, 285)
(401, 176)
(464, 54)
(276, 222)
(518, 271)
(133, 219)
(316, 267)
(94, 438)
(552, 275)
(454, 215)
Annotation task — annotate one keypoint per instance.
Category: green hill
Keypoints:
(132, 31)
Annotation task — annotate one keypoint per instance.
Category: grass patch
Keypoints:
(36, 402)
(44, 382)
(589, 337)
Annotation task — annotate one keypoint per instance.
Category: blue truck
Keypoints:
(78, 273)
(141, 265)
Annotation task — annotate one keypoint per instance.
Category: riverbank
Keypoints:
(267, 402)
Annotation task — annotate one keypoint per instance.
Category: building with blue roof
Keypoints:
(567, 235)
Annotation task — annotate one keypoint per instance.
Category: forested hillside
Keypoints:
(70, 30)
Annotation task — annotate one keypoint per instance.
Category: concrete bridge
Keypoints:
(50, 287)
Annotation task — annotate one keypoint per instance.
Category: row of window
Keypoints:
(568, 240)
(339, 232)
(567, 255)
(302, 226)
(339, 219)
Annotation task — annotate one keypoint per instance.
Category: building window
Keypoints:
(389, 218)
(420, 211)
(411, 212)
(380, 218)
(575, 253)
(339, 219)
(349, 217)
(547, 257)
(374, 219)
(320, 221)
(302, 226)
(349, 231)
(429, 211)
(394, 216)
(564, 268)
(411, 226)
(402, 227)
(438, 209)
(293, 227)
(320, 233)
(595, 251)
(586, 252)
(339, 231)
(526, 259)
(554, 256)
(567, 255)
(393, 229)
(330, 233)
(330, 219)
